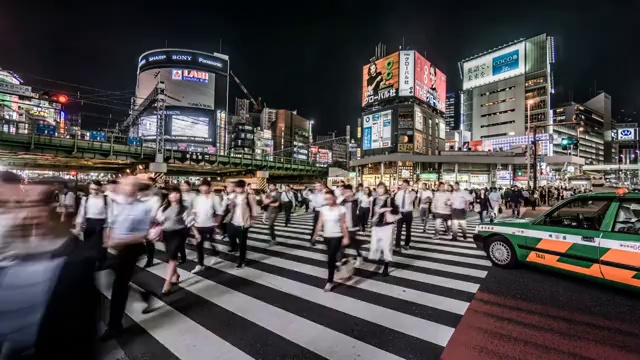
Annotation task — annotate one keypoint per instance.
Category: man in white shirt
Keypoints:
(243, 210)
(288, 200)
(91, 219)
(496, 200)
(459, 204)
(316, 201)
(66, 202)
(207, 211)
(404, 201)
(425, 197)
(187, 194)
(153, 197)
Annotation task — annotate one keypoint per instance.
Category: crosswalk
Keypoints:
(275, 308)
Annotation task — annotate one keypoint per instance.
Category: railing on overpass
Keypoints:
(611, 167)
(36, 139)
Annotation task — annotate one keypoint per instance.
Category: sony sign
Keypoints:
(181, 57)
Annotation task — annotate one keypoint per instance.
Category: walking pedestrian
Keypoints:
(425, 197)
(126, 233)
(207, 212)
(288, 200)
(243, 208)
(273, 210)
(364, 208)
(316, 202)
(91, 219)
(350, 204)
(332, 222)
(404, 200)
(385, 214)
(441, 207)
(172, 218)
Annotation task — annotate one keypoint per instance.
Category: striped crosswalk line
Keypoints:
(275, 308)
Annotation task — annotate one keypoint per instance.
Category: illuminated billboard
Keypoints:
(181, 123)
(376, 130)
(380, 80)
(185, 88)
(181, 58)
(430, 83)
(498, 65)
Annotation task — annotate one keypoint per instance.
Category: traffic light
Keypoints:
(569, 142)
(519, 172)
(60, 98)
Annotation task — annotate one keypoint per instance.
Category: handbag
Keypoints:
(500, 210)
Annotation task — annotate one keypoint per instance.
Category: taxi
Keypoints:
(595, 236)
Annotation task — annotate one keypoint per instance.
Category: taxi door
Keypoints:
(568, 238)
(620, 244)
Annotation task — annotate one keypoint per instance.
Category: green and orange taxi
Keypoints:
(596, 236)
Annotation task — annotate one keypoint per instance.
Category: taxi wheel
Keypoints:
(501, 253)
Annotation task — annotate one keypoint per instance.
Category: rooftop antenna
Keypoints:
(402, 48)
(166, 43)
(220, 45)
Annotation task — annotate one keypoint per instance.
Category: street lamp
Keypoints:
(579, 130)
(529, 142)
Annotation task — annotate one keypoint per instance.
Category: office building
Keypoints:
(594, 117)
(291, 135)
(507, 88)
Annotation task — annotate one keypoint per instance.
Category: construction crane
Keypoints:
(256, 105)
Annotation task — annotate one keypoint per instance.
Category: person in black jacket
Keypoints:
(350, 204)
(515, 198)
(48, 298)
(382, 226)
(485, 204)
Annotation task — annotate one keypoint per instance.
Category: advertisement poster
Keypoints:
(407, 75)
(431, 83)
(626, 134)
(419, 121)
(380, 80)
(498, 65)
(376, 130)
(186, 87)
(418, 143)
(405, 143)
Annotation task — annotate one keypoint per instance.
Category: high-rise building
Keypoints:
(593, 122)
(452, 112)
(507, 88)
(291, 134)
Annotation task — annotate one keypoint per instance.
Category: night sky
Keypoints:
(309, 57)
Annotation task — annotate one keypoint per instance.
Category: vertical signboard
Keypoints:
(380, 80)
(376, 130)
(431, 83)
(407, 73)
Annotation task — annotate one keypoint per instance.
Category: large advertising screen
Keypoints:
(183, 87)
(431, 83)
(376, 130)
(380, 80)
(498, 65)
(189, 125)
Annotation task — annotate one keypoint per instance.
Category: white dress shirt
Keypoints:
(242, 214)
(288, 196)
(317, 200)
(460, 199)
(93, 207)
(424, 195)
(205, 207)
(408, 200)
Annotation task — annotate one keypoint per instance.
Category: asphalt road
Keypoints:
(530, 313)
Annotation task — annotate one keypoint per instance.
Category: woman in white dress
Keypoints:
(385, 213)
(332, 221)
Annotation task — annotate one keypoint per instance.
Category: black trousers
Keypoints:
(287, 206)
(354, 243)
(406, 219)
(238, 238)
(124, 266)
(150, 248)
(316, 216)
(334, 244)
(273, 215)
(94, 235)
(206, 234)
(363, 217)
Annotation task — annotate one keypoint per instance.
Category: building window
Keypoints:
(498, 113)
(498, 102)
(535, 82)
(497, 91)
(498, 124)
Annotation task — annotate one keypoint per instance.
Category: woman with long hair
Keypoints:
(383, 219)
(364, 208)
(332, 221)
(174, 233)
(485, 204)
